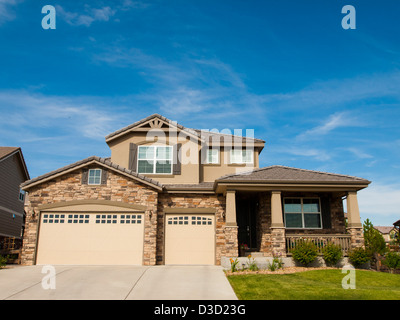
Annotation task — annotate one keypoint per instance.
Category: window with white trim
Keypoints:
(302, 213)
(155, 159)
(241, 156)
(94, 176)
(212, 156)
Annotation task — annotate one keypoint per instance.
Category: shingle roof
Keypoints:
(5, 151)
(288, 175)
(203, 186)
(105, 161)
(384, 229)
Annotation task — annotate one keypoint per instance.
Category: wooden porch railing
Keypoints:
(320, 240)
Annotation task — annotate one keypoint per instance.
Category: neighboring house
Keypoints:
(13, 172)
(388, 233)
(174, 195)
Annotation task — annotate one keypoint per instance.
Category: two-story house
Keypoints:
(13, 172)
(174, 195)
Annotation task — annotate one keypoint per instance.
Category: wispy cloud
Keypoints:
(71, 116)
(89, 16)
(6, 11)
(380, 200)
(189, 85)
(334, 121)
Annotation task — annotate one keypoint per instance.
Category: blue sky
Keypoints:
(323, 98)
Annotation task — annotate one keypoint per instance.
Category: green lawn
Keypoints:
(316, 285)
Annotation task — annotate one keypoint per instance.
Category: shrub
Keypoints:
(3, 261)
(332, 253)
(359, 256)
(305, 252)
(392, 261)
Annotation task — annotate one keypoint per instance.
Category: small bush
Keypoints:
(359, 256)
(392, 261)
(332, 253)
(3, 261)
(305, 252)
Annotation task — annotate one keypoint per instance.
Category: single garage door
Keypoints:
(99, 238)
(190, 239)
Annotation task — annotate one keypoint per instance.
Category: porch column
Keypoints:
(231, 228)
(231, 208)
(353, 220)
(277, 227)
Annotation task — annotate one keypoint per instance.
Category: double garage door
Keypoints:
(105, 235)
(97, 235)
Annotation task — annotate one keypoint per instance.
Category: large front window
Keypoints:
(155, 159)
(303, 213)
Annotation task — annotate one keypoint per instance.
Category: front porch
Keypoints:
(271, 223)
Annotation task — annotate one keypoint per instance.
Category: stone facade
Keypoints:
(69, 187)
(357, 238)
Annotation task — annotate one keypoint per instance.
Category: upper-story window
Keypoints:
(21, 195)
(155, 159)
(212, 156)
(94, 176)
(241, 156)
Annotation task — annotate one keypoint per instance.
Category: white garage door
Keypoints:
(101, 238)
(190, 239)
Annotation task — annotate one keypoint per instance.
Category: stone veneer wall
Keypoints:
(191, 201)
(69, 187)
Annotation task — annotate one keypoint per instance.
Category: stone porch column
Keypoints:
(231, 228)
(277, 226)
(353, 220)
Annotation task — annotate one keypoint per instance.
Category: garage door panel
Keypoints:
(91, 238)
(190, 239)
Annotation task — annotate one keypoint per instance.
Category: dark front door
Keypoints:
(246, 220)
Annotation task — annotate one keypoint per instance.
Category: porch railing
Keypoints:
(320, 240)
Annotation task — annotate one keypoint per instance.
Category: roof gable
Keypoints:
(155, 121)
(6, 152)
(85, 162)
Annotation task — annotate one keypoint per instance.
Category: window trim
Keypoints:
(155, 159)
(94, 183)
(302, 213)
(218, 156)
(241, 161)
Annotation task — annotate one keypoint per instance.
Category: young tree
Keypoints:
(373, 241)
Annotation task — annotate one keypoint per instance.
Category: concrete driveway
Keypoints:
(115, 283)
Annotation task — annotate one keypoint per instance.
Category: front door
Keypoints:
(246, 220)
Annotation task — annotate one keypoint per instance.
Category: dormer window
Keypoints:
(155, 159)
